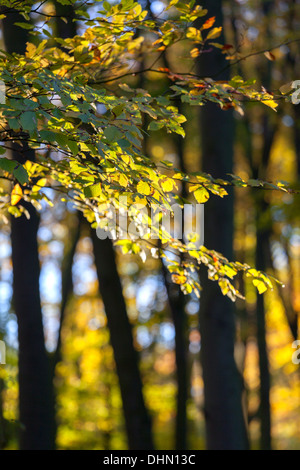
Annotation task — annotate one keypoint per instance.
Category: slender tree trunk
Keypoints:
(263, 233)
(225, 424)
(176, 299)
(35, 391)
(263, 261)
(176, 302)
(137, 420)
(177, 305)
(262, 240)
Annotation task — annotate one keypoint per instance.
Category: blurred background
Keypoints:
(262, 228)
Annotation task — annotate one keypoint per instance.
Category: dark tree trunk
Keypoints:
(262, 255)
(65, 29)
(262, 243)
(176, 299)
(35, 397)
(137, 420)
(176, 302)
(225, 424)
(263, 261)
(35, 391)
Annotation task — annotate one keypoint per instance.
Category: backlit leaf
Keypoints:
(143, 188)
(16, 194)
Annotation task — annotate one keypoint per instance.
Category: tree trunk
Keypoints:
(137, 420)
(225, 424)
(262, 262)
(35, 397)
(263, 258)
(65, 29)
(176, 302)
(35, 391)
(262, 241)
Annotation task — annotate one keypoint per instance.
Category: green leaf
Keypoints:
(93, 191)
(28, 121)
(13, 123)
(112, 133)
(155, 125)
(73, 147)
(107, 6)
(21, 174)
(7, 165)
(25, 25)
(62, 140)
(254, 183)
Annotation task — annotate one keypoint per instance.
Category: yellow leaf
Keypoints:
(140, 200)
(156, 195)
(16, 195)
(30, 49)
(178, 176)
(40, 183)
(261, 287)
(126, 159)
(123, 180)
(193, 187)
(224, 286)
(194, 34)
(167, 185)
(201, 195)
(195, 52)
(143, 188)
(271, 103)
(214, 33)
(178, 278)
